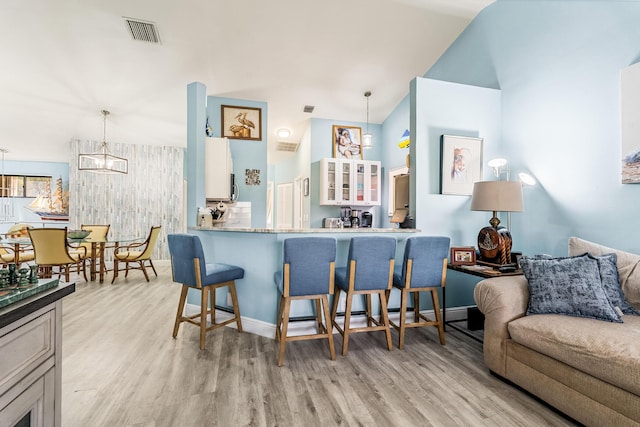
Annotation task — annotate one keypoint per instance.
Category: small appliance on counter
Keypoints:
(332, 223)
(345, 215)
(366, 220)
(355, 218)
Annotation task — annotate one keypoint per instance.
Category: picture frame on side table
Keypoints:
(463, 255)
(347, 142)
(241, 122)
(460, 164)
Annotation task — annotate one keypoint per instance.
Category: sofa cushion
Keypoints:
(570, 286)
(611, 283)
(627, 264)
(607, 351)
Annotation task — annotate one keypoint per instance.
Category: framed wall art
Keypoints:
(347, 142)
(241, 122)
(460, 164)
(465, 255)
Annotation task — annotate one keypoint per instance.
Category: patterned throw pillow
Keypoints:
(611, 283)
(570, 286)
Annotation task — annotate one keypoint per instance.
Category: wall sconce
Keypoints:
(367, 137)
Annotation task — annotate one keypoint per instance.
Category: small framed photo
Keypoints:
(347, 142)
(463, 255)
(460, 164)
(241, 122)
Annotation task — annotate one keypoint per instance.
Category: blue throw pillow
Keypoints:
(608, 265)
(570, 286)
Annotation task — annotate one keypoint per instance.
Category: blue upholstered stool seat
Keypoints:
(189, 267)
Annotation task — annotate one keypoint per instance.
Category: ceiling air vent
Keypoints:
(142, 30)
(287, 146)
(308, 108)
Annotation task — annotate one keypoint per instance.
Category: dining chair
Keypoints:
(189, 267)
(8, 255)
(369, 271)
(97, 233)
(308, 274)
(137, 254)
(51, 250)
(424, 269)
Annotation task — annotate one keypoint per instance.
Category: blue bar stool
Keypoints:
(189, 267)
(369, 271)
(424, 269)
(308, 274)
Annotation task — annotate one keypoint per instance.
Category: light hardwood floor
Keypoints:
(122, 368)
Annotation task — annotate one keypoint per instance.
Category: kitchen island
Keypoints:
(259, 252)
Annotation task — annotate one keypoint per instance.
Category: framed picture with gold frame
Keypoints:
(347, 142)
(241, 122)
(463, 255)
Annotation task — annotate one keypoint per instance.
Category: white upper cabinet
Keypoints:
(218, 169)
(349, 182)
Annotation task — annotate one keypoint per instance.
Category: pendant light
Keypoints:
(102, 161)
(367, 137)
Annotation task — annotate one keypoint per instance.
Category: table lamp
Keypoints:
(494, 242)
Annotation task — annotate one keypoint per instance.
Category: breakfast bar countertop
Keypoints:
(308, 230)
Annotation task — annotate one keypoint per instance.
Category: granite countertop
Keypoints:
(308, 230)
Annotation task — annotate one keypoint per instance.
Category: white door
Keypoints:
(284, 211)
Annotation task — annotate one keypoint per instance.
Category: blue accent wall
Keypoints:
(558, 66)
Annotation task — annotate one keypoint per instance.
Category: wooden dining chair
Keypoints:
(51, 251)
(8, 255)
(137, 254)
(96, 233)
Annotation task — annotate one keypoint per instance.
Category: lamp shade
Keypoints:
(497, 196)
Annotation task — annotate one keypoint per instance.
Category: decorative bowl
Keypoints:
(77, 234)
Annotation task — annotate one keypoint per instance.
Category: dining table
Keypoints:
(98, 246)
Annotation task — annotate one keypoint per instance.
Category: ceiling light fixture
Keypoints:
(367, 137)
(284, 133)
(102, 161)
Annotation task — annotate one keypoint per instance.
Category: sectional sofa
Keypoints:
(584, 362)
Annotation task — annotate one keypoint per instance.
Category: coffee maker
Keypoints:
(345, 215)
(355, 218)
(366, 220)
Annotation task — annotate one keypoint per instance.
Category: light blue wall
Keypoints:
(246, 155)
(321, 147)
(558, 66)
(53, 169)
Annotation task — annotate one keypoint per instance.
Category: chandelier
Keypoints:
(102, 161)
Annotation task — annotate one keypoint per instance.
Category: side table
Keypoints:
(477, 270)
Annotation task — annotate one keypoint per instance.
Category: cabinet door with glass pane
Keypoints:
(335, 181)
(367, 182)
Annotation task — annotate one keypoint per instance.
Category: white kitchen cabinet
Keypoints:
(350, 182)
(219, 183)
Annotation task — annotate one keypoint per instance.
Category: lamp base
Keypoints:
(494, 244)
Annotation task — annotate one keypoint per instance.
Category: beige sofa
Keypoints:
(589, 369)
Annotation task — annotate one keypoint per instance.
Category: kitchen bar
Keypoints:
(259, 252)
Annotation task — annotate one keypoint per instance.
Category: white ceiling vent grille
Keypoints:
(142, 30)
(287, 146)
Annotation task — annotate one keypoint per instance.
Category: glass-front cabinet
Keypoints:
(349, 182)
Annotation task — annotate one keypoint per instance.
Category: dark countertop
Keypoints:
(22, 308)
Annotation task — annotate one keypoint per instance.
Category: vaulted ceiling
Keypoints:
(63, 61)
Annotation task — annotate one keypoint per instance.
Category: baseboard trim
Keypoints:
(268, 330)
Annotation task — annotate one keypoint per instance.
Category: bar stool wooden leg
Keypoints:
(436, 310)
(285, 324)
(403, 318)
(203, 315)
(279, 320)
(212, 305)
(236, 307)
(325, 305)
(416, 306)
(319, 325)
(181, 303)
(347, 321)
(384, 313)
(368, 302)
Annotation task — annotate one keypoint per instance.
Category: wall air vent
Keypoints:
(308, 108)
(142, 30)
(287, 146)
